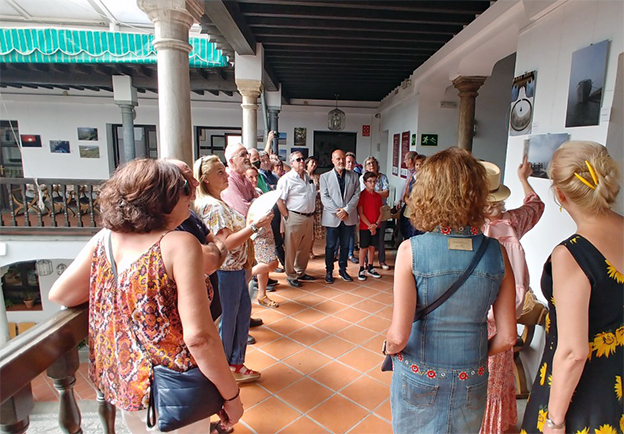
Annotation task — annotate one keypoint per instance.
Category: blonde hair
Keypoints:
(494, 209)
(450, 191)
(572, 157)
(201, 167)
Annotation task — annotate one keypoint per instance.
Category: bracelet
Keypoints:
(553, 425)
(232, 398)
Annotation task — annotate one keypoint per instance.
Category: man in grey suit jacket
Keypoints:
(340, 192)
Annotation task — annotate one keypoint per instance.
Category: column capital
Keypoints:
(251, 88)
(468, 86)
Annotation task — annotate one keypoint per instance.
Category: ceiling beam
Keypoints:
(226, 16)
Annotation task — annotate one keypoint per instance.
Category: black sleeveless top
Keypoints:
(597, 404)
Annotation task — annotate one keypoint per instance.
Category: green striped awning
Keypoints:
(85, 46)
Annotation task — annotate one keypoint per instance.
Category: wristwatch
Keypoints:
(553, 425)
(254, 229)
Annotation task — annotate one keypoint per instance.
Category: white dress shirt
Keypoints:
(299, 194)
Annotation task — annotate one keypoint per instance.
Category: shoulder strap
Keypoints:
(420, 313)
(108, 246)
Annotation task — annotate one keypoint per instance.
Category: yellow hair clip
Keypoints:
(592, 172)
(584, 181)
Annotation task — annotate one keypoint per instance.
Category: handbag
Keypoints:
(177, 399)
(386, 365)
(386, 213)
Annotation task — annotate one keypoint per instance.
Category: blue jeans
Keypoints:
(234, 324)
(338, 236)
(453, 401)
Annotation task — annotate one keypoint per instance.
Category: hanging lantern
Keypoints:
(336, 118)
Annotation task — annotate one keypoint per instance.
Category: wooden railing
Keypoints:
(51, 346)
(28, 205)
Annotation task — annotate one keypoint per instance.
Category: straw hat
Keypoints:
(498, 191)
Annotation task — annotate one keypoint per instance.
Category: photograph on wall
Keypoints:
(304, 151)
(541, 148)
(283, 154)
(587, 77)
(59, 146)
(87, 134)
(395, 154)
(300, 136)
(89, 151)
(405, 142)
(281, 139)
(521, 111)
(30, 140)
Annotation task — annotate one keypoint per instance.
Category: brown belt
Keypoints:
(305, 214)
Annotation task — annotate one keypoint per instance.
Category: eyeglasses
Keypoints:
(242, 154)
(186, 188)
(299, 159)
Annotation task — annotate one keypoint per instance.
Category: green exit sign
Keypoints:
(428, 140)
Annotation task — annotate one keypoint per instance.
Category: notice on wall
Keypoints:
(405, 142)
(395, 154)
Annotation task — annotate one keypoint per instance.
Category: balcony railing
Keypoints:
(51, 346)
(49, 205)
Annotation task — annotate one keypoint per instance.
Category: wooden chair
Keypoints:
(25, 199)
(60, 199)
(82, 200)
(534, 314)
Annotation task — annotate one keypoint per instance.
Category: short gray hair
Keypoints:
(231, 149)
(292, 154)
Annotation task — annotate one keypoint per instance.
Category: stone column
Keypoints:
(468, 87)
(250, 90)
(171, 27)
(127, 119)
(273, 126)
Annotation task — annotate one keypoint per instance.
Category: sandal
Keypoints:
(267, 302)
(216, 428)
(242, 374)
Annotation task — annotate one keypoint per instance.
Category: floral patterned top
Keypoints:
(217, 215)
(596, 406)
(129, 320)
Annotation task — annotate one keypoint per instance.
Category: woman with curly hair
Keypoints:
(439, 384)
(579, 384)
(152, 311)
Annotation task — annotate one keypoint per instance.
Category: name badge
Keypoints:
(460, 244)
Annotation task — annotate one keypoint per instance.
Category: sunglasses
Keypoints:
(186, 188)
(299, 159)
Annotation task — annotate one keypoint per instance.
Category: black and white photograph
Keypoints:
(541, 149)
(59, 146)
(587, 77)
(87, 134)
(300, 136)
(521, 111)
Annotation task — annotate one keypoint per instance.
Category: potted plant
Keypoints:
(29, 300)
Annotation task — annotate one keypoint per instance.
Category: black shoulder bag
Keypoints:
(422, 312)
(177, 399)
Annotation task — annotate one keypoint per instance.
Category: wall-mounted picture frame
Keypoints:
(30, 140)
(59, 146)
(521, 110)
(89, 151)
(304, 151)
(300, 136)
(87, 134)
(540, 149)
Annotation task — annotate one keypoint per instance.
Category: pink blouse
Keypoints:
(508, 231)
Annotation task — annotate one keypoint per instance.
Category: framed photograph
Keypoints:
(30, 141)
(87, 134)
(405, 142)
(300, 136)
(282, 154)
(89, 151)
(541, 148)
(521, 110)
(59, 146)
(587, 77)
(304, 151)
(396, 140)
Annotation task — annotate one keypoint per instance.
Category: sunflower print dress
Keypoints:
(596, 406)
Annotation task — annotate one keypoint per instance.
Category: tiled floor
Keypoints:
(319, 354)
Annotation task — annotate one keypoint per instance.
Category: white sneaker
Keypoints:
(384, 266)
(372, 273)
(362, 275)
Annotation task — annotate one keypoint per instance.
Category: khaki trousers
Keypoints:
(298, 239)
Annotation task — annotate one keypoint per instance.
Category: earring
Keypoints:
(560, 208)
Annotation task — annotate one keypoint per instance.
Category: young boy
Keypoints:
(369, 209)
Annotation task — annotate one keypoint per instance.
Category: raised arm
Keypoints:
(267, 147)
(404, 290)
(572, 291)
(72, 287)
(505, 312)
(183, 256)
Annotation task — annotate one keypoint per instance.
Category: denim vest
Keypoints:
(454, 336)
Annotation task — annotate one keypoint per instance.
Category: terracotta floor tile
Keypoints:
(383, 283)
(335, 375)
(341, 285)
(366, 392)
(375, 343)
(331, 324)
(309, 316)
(307, 361)
(278, 377)
(375, 323)
(305, 394)
(382, 377)
(338, 414)
(385, 298)
(348, 298)
(290, 307)
(352, 315)
(356, 334)
(369, 306)
(330, 307)
(259, 360)
(267, 315)
(282, 348)
(385, 313)
(286, 326)
(304, 425)
(328, 292)
(384, 410)
(333, 346)
(269, 416)
(361, 359)
(263, 335)
(372, 425)
(291, 293)
(308, 335)
(310, 299)
(240, 428)
(366, 292)
(252, 393)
